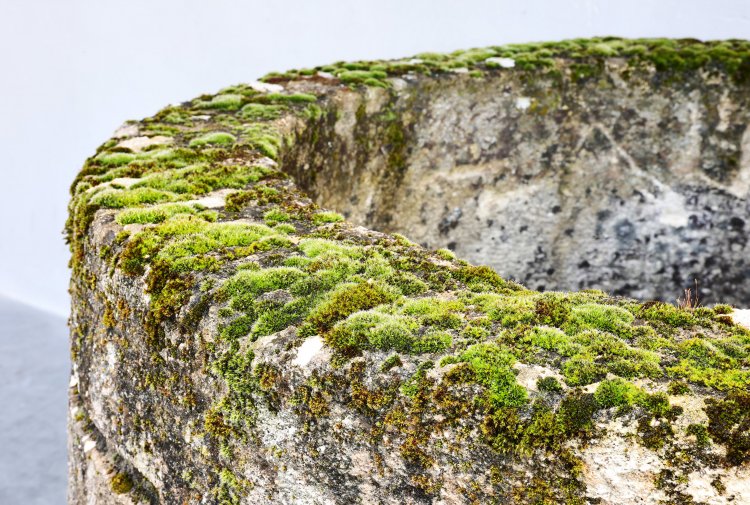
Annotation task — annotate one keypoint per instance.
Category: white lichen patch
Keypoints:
(213, 200)
(265, 87)
(501, 62)
(309, 349)
(742, 317)
(671, 209)
(138, 144)
(125, 182)
(523, 102)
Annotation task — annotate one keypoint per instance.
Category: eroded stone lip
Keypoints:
(234, 341)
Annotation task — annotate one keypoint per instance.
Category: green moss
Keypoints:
(549, 384)
(261, 112)
(483, 278)
(582, 370)
(355, 290)
(262, 137)
(118, 199)
(664, 314)
(254, 283)
(213, 138)
(121, 483)
(700, 432)
(616, 393)
(600, 317)
(290, 98)
(345, 301)
(491, 365)
(729, 424)
(154, 214)
(115, 159)
(391, 362)
(326, 217)
(275, 216)
(227, 101)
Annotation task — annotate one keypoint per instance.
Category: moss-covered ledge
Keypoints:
(234, 342)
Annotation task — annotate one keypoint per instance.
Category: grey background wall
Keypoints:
(71, 71)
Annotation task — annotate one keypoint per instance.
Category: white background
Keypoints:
(72, 70)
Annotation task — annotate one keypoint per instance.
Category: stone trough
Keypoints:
(445, 279)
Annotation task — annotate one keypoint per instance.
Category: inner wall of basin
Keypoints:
(636, 190)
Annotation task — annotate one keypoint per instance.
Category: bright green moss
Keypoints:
(616, 393)
(434, 312)
(347, 300)
(275, 216)
(666, 315)
(491, 365)
(118, 199)
(227, 101)
(256, 282)
(261, 112)
(483, 278)
(582, 370)
(601, 317)
(291, 98)
(262, 137)
(352, 290)
(327, 217)
(201, 178)
(511, 311)
(284, 228)
(367, 77)
(213, 138)
(115, 159)
(314, 247)
(154, 214)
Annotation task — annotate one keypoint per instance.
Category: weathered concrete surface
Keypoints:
(234, 343)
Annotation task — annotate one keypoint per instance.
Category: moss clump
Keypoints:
(121, 483)
(275, 216)
(118, 199)
(251, 283)
(601, 317)
(214, 138)
(154, 214)
(491, 366)
(226, 101)
(616, 393)
(549, 384)
(483, 278)
(345, 301)
(261, 112)
(326, 217)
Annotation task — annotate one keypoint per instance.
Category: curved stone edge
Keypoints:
(95, 231)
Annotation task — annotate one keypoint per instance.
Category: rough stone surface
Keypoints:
(233, 342)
